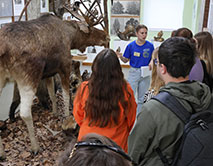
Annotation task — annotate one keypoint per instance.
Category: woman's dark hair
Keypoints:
(107, 90)
(184, 32)
(178, 55)
(94, 150)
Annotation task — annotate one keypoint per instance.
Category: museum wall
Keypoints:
(192, 18)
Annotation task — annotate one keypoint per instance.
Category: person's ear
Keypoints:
(163, 69)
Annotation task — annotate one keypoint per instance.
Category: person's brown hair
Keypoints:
(94, 150)
(205, 49)
(107, 90)
(184, 32)
(140, 26)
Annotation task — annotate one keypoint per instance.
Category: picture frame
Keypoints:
(124, 12)
(18, 6)
(44, 7)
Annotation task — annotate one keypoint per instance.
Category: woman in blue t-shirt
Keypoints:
(139, 53)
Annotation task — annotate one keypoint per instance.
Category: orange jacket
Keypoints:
(118, 133)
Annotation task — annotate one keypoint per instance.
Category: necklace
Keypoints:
(140, 43)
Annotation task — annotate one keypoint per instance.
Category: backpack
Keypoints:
(196, 144)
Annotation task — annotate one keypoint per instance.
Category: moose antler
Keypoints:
(74, 13)
(91, 17)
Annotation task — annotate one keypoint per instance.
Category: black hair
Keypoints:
(178, 55)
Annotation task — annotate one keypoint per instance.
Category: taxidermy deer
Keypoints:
(38, 49)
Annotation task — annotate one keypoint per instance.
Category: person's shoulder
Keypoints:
(151, 105)
(149, 43)
(132, 43)
(153, 108)
(84, 84)
(128, 85)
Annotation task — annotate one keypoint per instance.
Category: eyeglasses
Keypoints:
(100, 145)
(156, 62)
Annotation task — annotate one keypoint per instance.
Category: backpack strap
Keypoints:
(162, 157)
(174, 105)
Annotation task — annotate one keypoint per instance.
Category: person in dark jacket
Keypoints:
(156, 125)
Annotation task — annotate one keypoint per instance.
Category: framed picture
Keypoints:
(124, 12)
(6, 9)
(44, 6)
(18, 7)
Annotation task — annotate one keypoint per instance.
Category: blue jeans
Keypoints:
(139, 85)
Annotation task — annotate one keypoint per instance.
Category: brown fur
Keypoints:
(38, 49)
(37, 46)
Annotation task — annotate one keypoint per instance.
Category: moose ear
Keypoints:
(83, 27)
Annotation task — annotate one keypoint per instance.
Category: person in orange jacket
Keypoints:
(105, 104)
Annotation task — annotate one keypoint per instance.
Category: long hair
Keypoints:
(205, 49)
(156, 81)
(107, 90)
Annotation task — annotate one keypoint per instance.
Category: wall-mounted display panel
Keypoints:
(44, 6)
(124, 12)
(18, 7)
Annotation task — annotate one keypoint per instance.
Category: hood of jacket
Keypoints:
(193, 92)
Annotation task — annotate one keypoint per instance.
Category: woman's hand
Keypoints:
(119, 55)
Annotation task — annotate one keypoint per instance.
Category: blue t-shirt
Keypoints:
(139, 55)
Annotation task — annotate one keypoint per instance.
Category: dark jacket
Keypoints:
(157, 126)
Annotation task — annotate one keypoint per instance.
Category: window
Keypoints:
(163, 14)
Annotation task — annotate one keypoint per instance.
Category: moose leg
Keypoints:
(51, 91)
(27, 95)
(66, 94)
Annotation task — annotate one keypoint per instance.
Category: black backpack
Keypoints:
(196, 146)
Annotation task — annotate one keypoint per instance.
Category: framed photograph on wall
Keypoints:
(44, 6)
(124, 12)
(18, 7)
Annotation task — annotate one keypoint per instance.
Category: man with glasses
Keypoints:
(157, 127)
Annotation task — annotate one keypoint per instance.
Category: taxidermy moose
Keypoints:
(38, 49)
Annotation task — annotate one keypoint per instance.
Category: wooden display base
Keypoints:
(79, 57)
